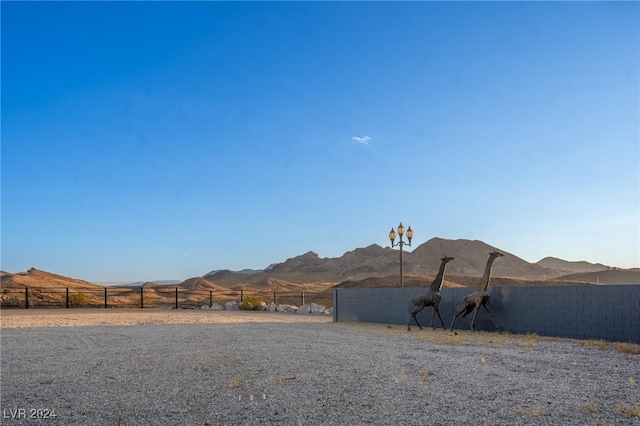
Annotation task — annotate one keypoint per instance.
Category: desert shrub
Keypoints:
(252, 303)
(538, 412)
(627, 348)
(237, 382)
(424, 375)
(403, 379)
(628, 411)
(77, 299)
(593, 410)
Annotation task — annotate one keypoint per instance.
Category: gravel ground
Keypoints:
(312, 372)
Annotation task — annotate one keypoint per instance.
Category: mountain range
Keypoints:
(378, 266)
(375, 261)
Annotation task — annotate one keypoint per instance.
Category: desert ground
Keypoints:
(158, 367)
(20, 318)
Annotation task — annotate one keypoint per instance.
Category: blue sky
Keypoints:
(145, 140)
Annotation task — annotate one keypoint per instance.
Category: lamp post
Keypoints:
(392, 237)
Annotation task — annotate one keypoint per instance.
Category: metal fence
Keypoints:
(148, 297)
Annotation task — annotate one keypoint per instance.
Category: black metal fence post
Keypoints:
(210, 298)
(275, 298)
(67, 298)
(176, 297)
(105, 298)
(141, 298)
(303, 297)
(26, 297)
(241, 296)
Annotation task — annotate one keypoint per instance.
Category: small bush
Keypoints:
(424, 375)
(402, 379)
(593, 410)
(78, 299)
(594, 343)
(237, 382)
(252, 303)
(530, 340)
(538, 412)
(628, 411)
(627, 348)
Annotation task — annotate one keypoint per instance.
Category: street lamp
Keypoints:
(392, 237)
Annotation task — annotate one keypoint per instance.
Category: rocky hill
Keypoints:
(609, 276)
(450, 281)
(471, 259)
(574, 267)
(362, 261)
(41, 279)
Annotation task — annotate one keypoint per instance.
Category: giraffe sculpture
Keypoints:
(480, 297)
(431, 298)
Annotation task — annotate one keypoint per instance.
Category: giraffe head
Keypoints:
(447, 259)
(496, 253)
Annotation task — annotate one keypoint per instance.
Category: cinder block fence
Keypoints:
(608, 312)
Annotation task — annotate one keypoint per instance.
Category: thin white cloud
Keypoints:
(365, 140)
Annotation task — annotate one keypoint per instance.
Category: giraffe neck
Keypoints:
(483, 285)
(437, 283)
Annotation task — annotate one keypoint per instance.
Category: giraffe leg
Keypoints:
(416, 318)
(455, 317)
(437, 311)
(413, 315)
(486, 306)
(467, 311)
(473, 321)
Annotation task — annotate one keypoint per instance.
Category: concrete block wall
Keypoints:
(608, 312)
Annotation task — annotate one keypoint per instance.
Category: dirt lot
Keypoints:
(13, 318)
(144, 367)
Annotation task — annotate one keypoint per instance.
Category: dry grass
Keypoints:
(483, 360)
(622, 347)
(593, 410)
(424, 375)
(632, 382)
(626, 348)
(484, 338)
(462, 336)
(628, 411)
(234, 358)
(528, 341)
(537, 412)
(592, 343)
(402, 379)
(288, 378)
(590, 408)
(237, 382)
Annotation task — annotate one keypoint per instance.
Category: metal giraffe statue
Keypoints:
(480, 297)
(431, 298)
